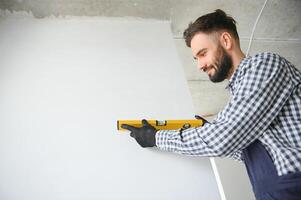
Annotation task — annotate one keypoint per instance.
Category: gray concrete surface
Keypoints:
(280, 19)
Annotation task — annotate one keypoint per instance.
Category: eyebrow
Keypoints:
(200, 51)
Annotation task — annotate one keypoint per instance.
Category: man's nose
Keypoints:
(201, 65)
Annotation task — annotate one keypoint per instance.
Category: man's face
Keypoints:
(211, 57)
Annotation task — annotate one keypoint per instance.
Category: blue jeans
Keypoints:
(266, 184)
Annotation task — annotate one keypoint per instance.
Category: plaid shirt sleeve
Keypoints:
(262, 89)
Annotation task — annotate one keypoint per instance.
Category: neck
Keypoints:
(236, 59)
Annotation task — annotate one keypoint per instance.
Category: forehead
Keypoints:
(202, 41)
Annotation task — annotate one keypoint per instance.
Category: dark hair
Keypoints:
(209, 23)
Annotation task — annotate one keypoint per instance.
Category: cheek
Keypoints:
(207, 60)
(212, 56)
(217, 60)
(211, 60)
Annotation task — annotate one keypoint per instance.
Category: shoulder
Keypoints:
(272, 64)
(267, 59)
(266, 64)
(255, 64)
(260, 69)
(259, 60)
(264, 55)
(265, 67)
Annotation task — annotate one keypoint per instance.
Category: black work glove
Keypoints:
(201, 118)
(145, 136)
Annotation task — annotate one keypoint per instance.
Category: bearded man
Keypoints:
(261, 124)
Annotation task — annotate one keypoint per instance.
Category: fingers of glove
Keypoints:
(129, 127)
(198, 117)
(145, 123)
(139, 140)
(141, 143)
(132, 134)
(201, 118)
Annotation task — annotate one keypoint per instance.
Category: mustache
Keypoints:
(207, 68)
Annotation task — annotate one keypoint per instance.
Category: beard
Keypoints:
(223, 66)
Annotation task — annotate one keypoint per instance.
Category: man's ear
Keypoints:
(226, 40)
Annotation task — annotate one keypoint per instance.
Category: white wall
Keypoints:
(63, 85)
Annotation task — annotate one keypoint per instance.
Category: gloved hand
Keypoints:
(201, 118)
(145, 136)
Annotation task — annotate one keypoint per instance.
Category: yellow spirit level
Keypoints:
(164, 124)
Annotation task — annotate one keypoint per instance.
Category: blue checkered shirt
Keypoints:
(265, 104)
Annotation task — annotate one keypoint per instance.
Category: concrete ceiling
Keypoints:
(278, 30)
(280, 19)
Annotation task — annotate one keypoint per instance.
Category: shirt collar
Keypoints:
(236, 73)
